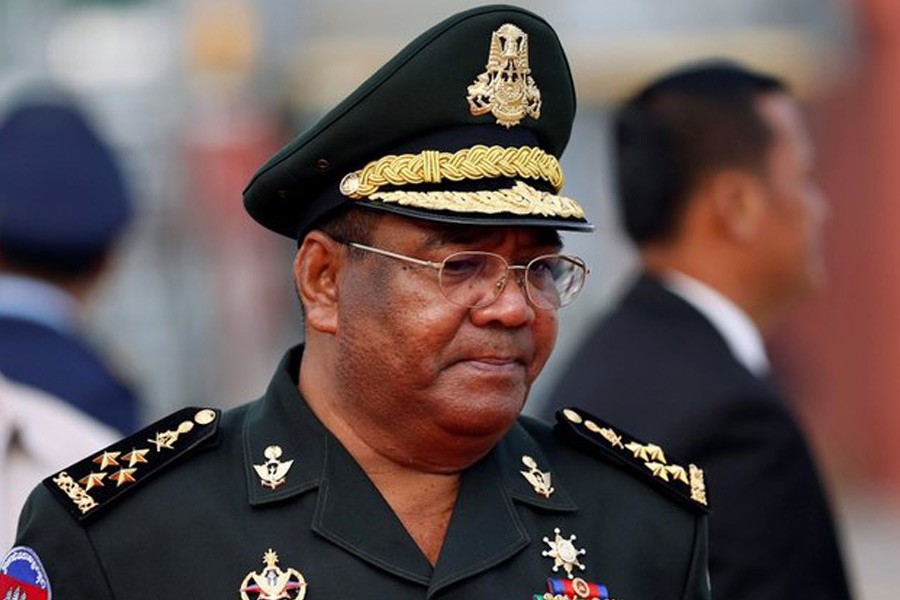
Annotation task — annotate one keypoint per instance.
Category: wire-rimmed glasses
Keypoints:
(474, 279)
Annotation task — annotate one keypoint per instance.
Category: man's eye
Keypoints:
(464, 266)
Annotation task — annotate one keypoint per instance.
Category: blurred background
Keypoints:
(196, 94)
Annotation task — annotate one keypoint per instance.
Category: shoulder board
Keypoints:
(86, 487)
(649, 460)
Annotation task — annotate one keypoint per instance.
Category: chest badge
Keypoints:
(273, 472)
(273, 583)
(539, 480)
(564, 553)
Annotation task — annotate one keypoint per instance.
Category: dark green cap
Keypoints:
(465, 125)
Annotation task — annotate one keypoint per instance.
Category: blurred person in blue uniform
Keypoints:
(63, 206)
(715, 172)
(38, 434)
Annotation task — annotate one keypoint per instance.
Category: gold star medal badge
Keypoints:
(273, 583)
(564, 553)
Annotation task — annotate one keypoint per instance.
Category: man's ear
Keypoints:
(739, 203)
(317, 267)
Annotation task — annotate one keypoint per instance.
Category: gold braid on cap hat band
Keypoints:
(433, 166)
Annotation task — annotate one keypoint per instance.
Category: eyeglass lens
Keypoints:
(475, 279)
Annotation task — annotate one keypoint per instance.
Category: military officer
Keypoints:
(387, 459)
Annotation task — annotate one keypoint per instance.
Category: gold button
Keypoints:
(572, 415)
(205, 417)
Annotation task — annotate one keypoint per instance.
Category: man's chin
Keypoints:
(477, 413)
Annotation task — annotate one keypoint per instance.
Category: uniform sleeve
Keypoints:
(697, 584)
(63, 547)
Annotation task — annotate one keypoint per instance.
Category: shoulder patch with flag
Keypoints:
(22, 576)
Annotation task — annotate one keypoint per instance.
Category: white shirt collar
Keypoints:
(26, 298)
(739, 331)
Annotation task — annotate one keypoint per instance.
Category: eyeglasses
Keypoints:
(474, 279)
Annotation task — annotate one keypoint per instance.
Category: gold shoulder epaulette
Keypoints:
(89, 485)
(648, 459)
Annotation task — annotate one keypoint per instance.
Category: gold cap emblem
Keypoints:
(506, 89)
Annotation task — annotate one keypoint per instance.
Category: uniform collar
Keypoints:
(282, 418)
(351, 513)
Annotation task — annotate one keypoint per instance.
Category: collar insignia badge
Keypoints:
(564, 553)
(273, 583)
(506, 89)
(538, 479)
(273, 472)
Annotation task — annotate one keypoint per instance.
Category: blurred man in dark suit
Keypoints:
(715, 170)
(63, 205)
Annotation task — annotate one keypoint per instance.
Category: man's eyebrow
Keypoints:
(459, 235)
(468, 235)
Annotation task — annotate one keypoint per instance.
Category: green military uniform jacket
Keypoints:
(190, 518)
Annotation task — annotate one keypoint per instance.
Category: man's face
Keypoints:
(429, 375)
(792, 235)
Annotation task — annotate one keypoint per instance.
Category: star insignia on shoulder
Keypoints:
(136, 456)
(84, 486)
(123, 476)
(647, 457)
(92, 480)
(107, 459)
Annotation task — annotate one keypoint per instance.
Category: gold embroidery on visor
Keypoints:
(521, 199)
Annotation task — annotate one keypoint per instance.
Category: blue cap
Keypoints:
(63, 200)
